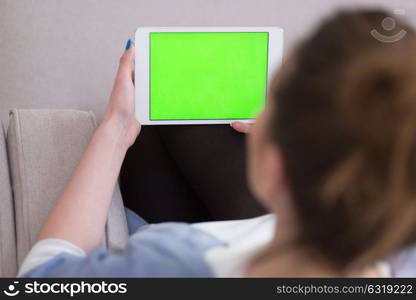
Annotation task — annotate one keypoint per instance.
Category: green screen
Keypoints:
(207, 75)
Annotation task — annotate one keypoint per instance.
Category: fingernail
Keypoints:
(128, 45)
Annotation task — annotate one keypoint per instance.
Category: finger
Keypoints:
(126, 62)
(241, 127)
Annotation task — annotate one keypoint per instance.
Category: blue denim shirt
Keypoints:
(166, 250)
(160, 250)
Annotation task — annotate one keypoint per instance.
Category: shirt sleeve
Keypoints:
(162, 250)
(47, 249)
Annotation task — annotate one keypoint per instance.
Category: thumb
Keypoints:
(241, 127)
(126, 61)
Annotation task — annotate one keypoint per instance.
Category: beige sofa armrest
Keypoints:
(44, 147)
(8, 265)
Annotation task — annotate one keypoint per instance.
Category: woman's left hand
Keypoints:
(80, 214)
(120, 109)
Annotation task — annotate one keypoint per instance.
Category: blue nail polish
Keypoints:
(128, 44)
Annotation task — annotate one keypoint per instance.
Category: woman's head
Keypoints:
(339, 136)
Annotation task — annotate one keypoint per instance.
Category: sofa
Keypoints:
(39, 150)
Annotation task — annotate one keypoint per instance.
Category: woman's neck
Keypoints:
(283, 258)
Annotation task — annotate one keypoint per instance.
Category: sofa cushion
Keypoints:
(8, 267)
(45, 146)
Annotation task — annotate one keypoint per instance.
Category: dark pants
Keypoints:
(188, 173)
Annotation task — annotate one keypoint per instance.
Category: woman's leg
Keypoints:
(152, 185)
(212, 160)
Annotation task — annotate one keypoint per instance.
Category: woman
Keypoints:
(333, 156)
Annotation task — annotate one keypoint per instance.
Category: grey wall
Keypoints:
(63, 54)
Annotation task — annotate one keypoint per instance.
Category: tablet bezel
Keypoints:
(275, 56)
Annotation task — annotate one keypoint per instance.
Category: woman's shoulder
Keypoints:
(244, 239)
(162, 250)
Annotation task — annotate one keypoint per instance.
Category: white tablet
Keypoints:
(204, 75)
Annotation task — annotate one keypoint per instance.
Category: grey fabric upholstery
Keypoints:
(44, 147)
(7, 229)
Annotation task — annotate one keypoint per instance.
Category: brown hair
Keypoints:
(345, 121)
